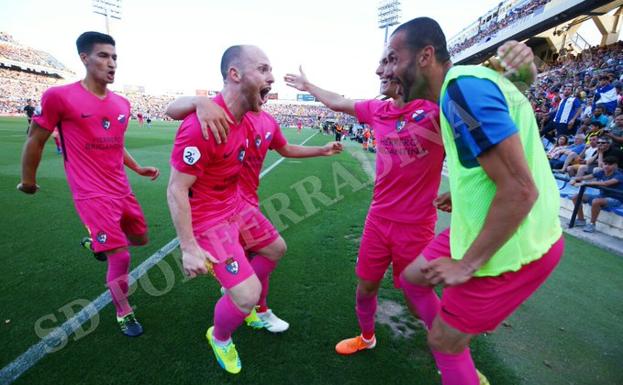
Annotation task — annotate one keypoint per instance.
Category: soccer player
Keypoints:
(91, 122)
(257, 235)
(204, 182)
(505, 237)
(29, 109)
(401, 219)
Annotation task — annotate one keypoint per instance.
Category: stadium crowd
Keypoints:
(578, 104)
(486, 31)
(12, 50)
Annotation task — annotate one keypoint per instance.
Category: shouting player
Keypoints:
(91, 122)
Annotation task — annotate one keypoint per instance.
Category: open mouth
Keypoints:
(264, 94)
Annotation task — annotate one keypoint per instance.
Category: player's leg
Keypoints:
(260, 238)
(417, 291)
(102, 216)
(372, 262)
(480, 305)
(236, 275)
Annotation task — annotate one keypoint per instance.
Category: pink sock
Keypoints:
(423, 298)
(456, 369)
(263, 267)
(365, 309)
(227, 318)
(117, 281)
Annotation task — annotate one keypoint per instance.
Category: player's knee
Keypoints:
(276, 250)
(249, 297)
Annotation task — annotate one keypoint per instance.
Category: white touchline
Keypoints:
(36, 352)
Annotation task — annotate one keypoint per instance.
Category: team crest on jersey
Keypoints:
(400, 124)
(191, 155)
(101, 237)
(267, 136)
(121, 118)
(258, 141)
(231, 266)
(418, 115)
(241, 154)
(106, 123)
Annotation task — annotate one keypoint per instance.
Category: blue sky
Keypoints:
(177, 45)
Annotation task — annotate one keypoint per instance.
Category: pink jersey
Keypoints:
(92, 137)
(215, 194)
(409, 158)
(266, 136)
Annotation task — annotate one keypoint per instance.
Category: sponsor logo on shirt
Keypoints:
(106, 123)
(267, 136)
(400, 124)
(231, 266)
(241, 153)
(191, 155)
(101, 237)
(258, 141)
(121, 118)
(418, 115)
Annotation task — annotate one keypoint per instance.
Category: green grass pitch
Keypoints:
(569, 332)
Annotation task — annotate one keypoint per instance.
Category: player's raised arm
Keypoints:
(518, 61)
(210, 115)
(133, 165)
(31, 157)
(334, 101)
(296, 151)
(193, 256)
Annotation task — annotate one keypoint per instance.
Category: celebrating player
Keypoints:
(258, 236)
(401, 220)
(505, 233)
(91, 122)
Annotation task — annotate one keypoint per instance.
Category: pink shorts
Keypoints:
(111, 220)
(482, 303)
(384, 242)
(256, 231)
(222, 241)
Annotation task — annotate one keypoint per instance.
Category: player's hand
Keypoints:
(213, 119)
(447, 272)
(297, 81)
(518, 61)
(151, 172)
(28, 188)
(443, 202)
(332, 148)
(196, 261)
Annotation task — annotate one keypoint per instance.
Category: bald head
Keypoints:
(237, 56)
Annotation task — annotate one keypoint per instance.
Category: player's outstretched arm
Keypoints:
(31, 157)
(296, 151)
(211, 116)
(334, 101)
(194, 258)
(133, 165)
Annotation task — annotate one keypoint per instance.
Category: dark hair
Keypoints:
(610, 159)
(231, 54)
(423, 31)
(87, 40)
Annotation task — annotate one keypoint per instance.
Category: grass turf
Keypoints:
(566, 334)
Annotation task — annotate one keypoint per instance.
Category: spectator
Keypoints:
(585, 162)
(565, 120)
(558, 163)
(606, 95)
(616, 132)
(609, 177)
